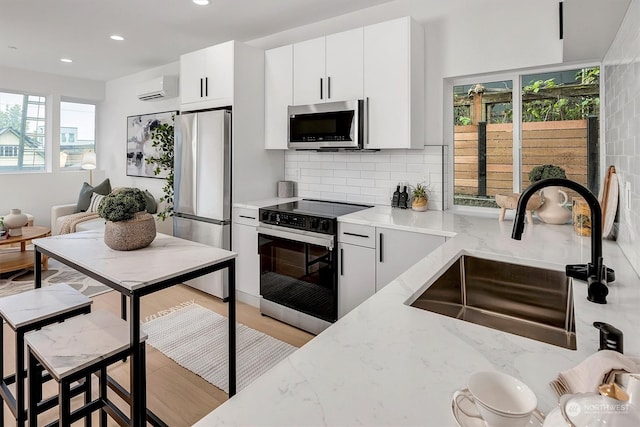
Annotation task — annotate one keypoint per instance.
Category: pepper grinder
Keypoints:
(395, 201)
(404, 196)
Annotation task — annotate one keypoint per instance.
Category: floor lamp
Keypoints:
(89, 162)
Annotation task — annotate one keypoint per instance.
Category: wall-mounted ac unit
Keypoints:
(162, 87)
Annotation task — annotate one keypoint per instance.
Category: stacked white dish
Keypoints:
(497, 400)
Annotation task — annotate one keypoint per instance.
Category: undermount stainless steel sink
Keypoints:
(531, 302)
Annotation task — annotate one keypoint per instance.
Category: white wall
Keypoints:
(622, 129)
(36, 192)
(120, 101)
(461, 38)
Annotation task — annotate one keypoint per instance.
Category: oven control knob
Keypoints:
(324, 225)
(314, 222)
(265, 216)
(273, 217)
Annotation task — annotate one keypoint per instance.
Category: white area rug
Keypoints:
(197, 339)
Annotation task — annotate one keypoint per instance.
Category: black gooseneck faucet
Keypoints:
(595, 273)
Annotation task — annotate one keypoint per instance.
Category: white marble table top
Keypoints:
(67, 347)
(166, 257)
(389, 364)
(32, 306)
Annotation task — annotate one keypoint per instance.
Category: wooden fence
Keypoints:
(562, 143)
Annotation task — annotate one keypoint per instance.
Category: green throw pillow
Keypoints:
(152, 206)
(84, 199)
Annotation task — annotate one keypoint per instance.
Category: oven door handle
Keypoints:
(326, 242)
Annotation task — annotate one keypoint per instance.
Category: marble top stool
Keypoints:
(74, 350)
(28, 311)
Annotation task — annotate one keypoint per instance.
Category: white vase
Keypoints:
(15, 221)
(553, 210)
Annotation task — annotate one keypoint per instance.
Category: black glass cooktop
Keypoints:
(320, 208)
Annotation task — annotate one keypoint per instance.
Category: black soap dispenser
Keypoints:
(395, 201)
(404, 197)
(611, 338)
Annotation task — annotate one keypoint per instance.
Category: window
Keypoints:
(77, 132)
(22, 130)
(501, 133)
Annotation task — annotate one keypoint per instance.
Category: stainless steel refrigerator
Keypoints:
(202, 187)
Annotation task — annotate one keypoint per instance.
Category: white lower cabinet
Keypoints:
(245, 243)
(399, 250)
(357, 280)
(371, 257)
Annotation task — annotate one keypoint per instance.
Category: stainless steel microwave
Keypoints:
(328, 126)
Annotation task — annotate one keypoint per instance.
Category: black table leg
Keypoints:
(137, 367)
(232, 327)
(37, 268)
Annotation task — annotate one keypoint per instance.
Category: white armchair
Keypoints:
(60, 212)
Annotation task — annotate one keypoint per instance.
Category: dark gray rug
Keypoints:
(20, 281)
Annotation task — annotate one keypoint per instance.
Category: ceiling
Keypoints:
(36, 34)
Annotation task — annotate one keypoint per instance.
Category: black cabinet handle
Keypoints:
(206, 86)
(341, 262)
(328, 87)
(248, 217)
(381, 247)
(320, 87)
(201, 88)
(346, 233)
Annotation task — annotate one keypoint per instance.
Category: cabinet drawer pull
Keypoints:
(248, 217)
(341, 262)
(346, 233)
(320, 87)
(381, 247)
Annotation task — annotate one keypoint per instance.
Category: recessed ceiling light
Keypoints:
(201, 2)
(65, 60)
(117, 38)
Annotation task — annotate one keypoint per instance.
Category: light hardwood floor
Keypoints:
(176, 395)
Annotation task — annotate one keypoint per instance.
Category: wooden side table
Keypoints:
(12, 259)
(510, 201)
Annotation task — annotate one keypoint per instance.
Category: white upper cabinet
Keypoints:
(206, 77)
(383, 63)
(278, 91)
(328, 68)
(394, 83)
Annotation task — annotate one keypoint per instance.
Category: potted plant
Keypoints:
(539, 173)
(419, 197)
(554, 199)
(128, 225)
(162, 140)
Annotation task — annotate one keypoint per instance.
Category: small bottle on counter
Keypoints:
(404, 197)
(395, 200)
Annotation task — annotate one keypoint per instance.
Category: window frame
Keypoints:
(516, 77)
(57, 142)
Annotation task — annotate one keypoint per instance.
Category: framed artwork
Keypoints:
(139, 145)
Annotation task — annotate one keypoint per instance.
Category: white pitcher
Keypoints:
(553, 210)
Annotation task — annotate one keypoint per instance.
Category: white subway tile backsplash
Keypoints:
(365, 177)
(622, 133)
(361, 166)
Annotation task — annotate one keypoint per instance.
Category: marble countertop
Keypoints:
(389, 364)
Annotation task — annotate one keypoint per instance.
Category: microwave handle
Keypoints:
(365, 127)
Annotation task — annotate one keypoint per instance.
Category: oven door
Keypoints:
(298, 269)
